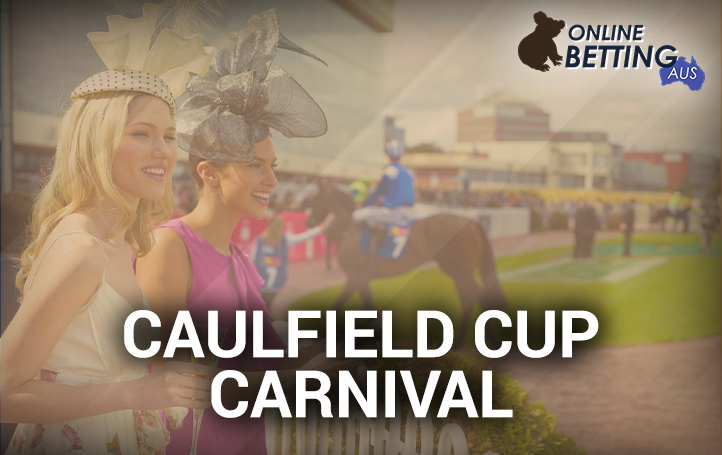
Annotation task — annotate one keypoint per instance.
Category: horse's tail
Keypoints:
(492, 296)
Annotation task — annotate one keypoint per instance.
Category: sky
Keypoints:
(440, 57)
(445, 58)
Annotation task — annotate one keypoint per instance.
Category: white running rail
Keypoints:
(361, 433)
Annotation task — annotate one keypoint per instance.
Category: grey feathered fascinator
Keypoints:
(242, 95)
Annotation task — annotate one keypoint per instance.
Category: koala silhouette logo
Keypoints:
(539, 44)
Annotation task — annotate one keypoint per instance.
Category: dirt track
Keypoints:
(663, 398)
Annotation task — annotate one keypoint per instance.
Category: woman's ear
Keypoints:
(208, 173)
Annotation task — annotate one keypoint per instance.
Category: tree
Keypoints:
(426, 147)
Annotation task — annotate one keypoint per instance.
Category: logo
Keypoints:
(609, 54)
(690, 74)
(398, 231)
(272, 261)
(538, 46)
(618, 46)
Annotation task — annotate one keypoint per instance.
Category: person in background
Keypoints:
(674, 207)
(606, 212)
(358, 189)
(585, 224)
(395, 192)
(184, 203)
(685, 212)
(626, 225)
(269, 253)
(709, 220)
(289, 202)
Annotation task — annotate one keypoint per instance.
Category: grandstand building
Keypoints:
(506, 142)
(668, 170)
(502, 118)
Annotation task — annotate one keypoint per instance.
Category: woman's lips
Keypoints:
(261, 197)
(155, 173)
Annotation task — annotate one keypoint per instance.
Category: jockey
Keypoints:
(270, 250)
(397, 190)
(359, 190)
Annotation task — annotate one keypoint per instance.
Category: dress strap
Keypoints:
(53, 242)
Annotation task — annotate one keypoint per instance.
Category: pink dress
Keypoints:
(225, 284)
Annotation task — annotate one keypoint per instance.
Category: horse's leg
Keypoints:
(349, 288)
(365, 291)
(459, 262)
(469, 293)
(328, 253)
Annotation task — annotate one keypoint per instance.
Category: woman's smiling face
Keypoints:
(147, 150)
(247, 186)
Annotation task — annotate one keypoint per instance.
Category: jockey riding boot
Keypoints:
(374, 244)
(377, 237)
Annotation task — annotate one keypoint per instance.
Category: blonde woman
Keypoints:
(64, 365)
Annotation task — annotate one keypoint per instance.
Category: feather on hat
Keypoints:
(242, 95)
(133, 65)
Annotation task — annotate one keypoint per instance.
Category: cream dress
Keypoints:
(91, 351)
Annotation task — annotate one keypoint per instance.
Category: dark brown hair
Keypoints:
(194, 161)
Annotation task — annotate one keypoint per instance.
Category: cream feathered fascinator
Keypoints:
(242, 95)
(133, 65)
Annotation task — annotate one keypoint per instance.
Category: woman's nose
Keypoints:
(163, 149)
(270, 179)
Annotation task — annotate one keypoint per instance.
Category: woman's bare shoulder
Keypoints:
(167, 258)
(167, 234)
(165, 273)
(74, 240)
(71, 261)
(168, 243)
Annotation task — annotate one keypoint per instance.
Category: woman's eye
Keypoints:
(141, 134)
(274, 166)
(170, 138)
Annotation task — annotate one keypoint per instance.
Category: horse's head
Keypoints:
(331, 200)
(318, 210)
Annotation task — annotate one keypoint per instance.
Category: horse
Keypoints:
(659, 217)
(457, 244)
(343, 206)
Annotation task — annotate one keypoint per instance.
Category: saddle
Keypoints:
(390, 240)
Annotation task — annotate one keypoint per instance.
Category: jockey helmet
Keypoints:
(394, 149)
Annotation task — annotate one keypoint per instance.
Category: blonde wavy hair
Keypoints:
(90, 133)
